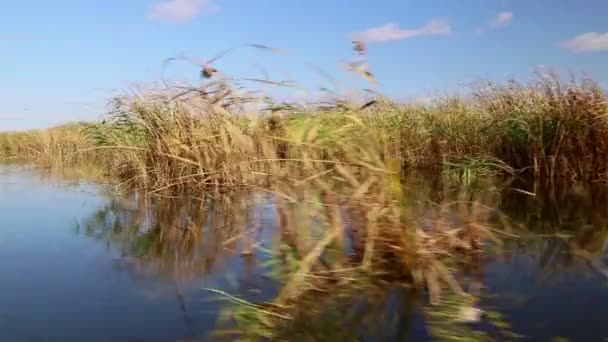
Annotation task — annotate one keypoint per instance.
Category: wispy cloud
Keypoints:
(181, 10)
(392, 31)
(588, 42)
(502, 19)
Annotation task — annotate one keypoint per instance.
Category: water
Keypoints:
(78, 265)
(60, 285)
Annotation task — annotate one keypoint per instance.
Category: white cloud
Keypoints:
(392, 31)
(588, 42)
(502, 19)
(181, 10)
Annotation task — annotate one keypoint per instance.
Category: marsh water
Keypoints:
(78, 264)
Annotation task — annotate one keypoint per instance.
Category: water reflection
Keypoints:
(60, 286)
(175, 239)
(560, 234)
(563, 229)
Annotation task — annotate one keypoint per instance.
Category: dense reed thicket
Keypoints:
(53, 148)
(204, 138)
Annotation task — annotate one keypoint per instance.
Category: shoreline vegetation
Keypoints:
(336, 173)
(169, 140)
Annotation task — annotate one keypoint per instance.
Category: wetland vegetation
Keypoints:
(321, 203)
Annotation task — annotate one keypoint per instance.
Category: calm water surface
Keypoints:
(60, 284)
(77, 265)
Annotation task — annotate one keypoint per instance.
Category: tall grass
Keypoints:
(56, 147)
(165, 140)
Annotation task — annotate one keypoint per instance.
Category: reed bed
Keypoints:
(53, 148)
(164, 140)
(337, 172)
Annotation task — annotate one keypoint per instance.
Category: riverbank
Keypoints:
(168, 142)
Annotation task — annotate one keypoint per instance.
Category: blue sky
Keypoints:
(62, 59)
